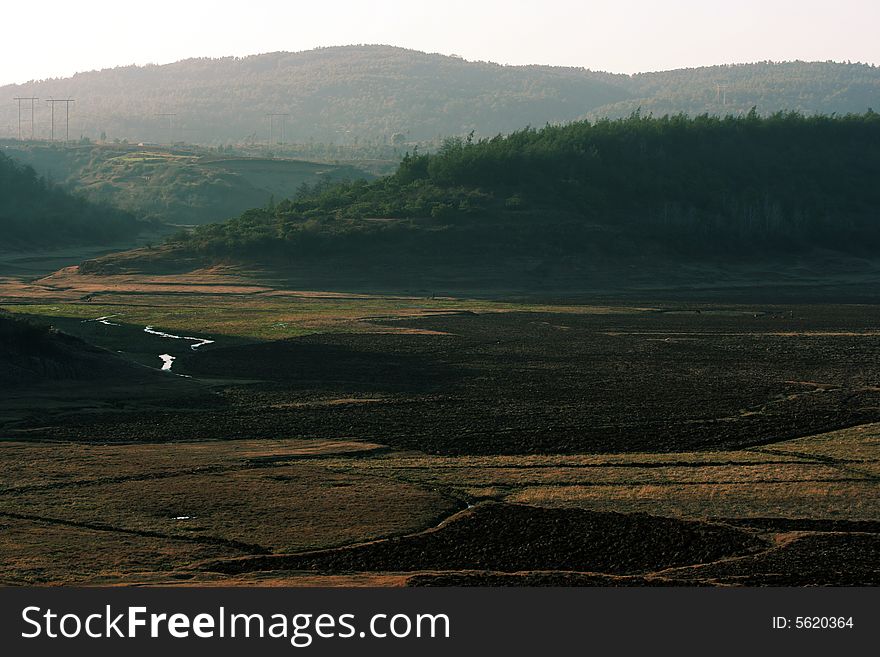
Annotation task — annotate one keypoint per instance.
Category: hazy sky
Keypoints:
(52, 39)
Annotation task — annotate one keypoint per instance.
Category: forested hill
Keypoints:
(384, 94)
(332, 95)
(806, 87)
(669, 188)
(36, 214)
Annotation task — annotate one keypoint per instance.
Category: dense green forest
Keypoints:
(740, 186)
(36, 213)
(377, 98)
(178, 186)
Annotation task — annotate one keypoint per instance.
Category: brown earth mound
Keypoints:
(510, 538)
(832, 559)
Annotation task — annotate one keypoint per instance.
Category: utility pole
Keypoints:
(272, 122)
(67, 103)
(170, 116)
(32, 116)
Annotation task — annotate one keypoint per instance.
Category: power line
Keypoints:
(272, 125)
(170, 116)
(32, 99)
(67, 103)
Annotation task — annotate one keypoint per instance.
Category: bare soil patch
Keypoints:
(514, 537)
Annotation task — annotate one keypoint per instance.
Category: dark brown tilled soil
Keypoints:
(805, 524)
(519, 383)
(396, 363)
(539, 579)
(827, 559)
(510, 538)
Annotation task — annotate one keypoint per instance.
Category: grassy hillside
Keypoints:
(386, 95)
(179, 186)
(36, 214)
(675, 188)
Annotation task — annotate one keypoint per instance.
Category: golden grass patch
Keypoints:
(861, 443)
(46, 553)
(470, 476)
(284, 508)
(820, 500)
(48, 464)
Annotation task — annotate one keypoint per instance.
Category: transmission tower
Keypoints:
(31, 99)
(272, 116)
(170, 116)
(67, 102)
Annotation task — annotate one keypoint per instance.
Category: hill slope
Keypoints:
(36, 214)
(178, 186)
(384, 93)
(807, 87)
(579, 199)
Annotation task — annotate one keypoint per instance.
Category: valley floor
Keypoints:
(325, 438)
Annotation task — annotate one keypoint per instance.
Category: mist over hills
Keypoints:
(386, 94)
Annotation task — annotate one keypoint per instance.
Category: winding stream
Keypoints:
(167, 359)
(103, 320)
(197, 342)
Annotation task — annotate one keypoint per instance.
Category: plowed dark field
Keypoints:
(520, 383)
(512, 538)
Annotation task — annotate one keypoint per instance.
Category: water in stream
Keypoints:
(103, 320)
(197, 342)
(167, 359)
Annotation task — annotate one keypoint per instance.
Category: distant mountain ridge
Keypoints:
(806, 87)
(384, 93)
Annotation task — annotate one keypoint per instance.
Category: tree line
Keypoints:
(36, 213)
(737, 184)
